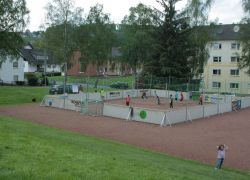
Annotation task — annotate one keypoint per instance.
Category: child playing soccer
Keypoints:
(171, 101)
(144, 95)
(128, 99)
(158, 100)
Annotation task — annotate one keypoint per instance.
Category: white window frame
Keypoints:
(234, 85)
(216, 46)
(235, 46)
(15, 64)
(218, 59)
(216, 84)
(235, 59)
(218, 72)
(234, 72)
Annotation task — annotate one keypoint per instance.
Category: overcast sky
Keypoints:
(226, 11)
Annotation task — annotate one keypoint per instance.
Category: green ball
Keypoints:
(143, 114)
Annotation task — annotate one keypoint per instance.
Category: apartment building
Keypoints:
(221, 73)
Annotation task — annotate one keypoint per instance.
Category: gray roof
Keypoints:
(225, 32)
(37, 56)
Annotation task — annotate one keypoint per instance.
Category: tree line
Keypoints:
(163, 42)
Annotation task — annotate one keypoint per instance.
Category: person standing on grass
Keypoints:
(128, 99)
(171, 101)
(220, 155)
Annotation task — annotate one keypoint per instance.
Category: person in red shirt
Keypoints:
(128, 99)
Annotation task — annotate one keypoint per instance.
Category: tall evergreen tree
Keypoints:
(171, 51)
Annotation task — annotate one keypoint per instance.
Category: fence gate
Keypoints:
(92, 107)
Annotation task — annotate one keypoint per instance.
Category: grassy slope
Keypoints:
(29, 151)
(19, 95)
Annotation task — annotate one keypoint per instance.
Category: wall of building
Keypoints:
(241, 81)
(53, 68)
(7, 71)
(92, 70)
(75, 68)
(29, 67)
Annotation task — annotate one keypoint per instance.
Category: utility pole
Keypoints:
(65, 59)
(45, 66)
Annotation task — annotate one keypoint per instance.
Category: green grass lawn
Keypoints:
(19, 95)
(30, 151)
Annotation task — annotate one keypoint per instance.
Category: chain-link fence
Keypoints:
(109, 83)
(166, 83)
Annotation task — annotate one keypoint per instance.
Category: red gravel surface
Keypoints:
(151, 102)
(196, 140)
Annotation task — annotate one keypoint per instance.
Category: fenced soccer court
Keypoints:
(145, 109)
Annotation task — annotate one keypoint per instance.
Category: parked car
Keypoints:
(119, 85)
(59, 89)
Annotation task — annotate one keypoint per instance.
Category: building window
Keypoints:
(49, 66)
(235, 46)
(216, 72)
(234, 72)
(235, 59)
(15, 78)
(54, 66)
(217, 59)
(216, 84)
(234, 85)
(15, 64)
(216, 45)
(248, 85)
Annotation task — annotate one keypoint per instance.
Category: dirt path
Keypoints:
(195, 140)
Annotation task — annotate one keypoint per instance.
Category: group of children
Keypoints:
(144, 96)
(178, 96)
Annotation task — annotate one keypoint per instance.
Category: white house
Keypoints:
(30, 60)
(12, 70)
(221, 73)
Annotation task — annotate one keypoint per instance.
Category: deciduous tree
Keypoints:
(13, 19)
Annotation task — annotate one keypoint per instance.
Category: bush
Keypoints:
(33, 81)
(20, 83)
(119, 85)
(42, 81)
(53, 74)
(29, 75)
